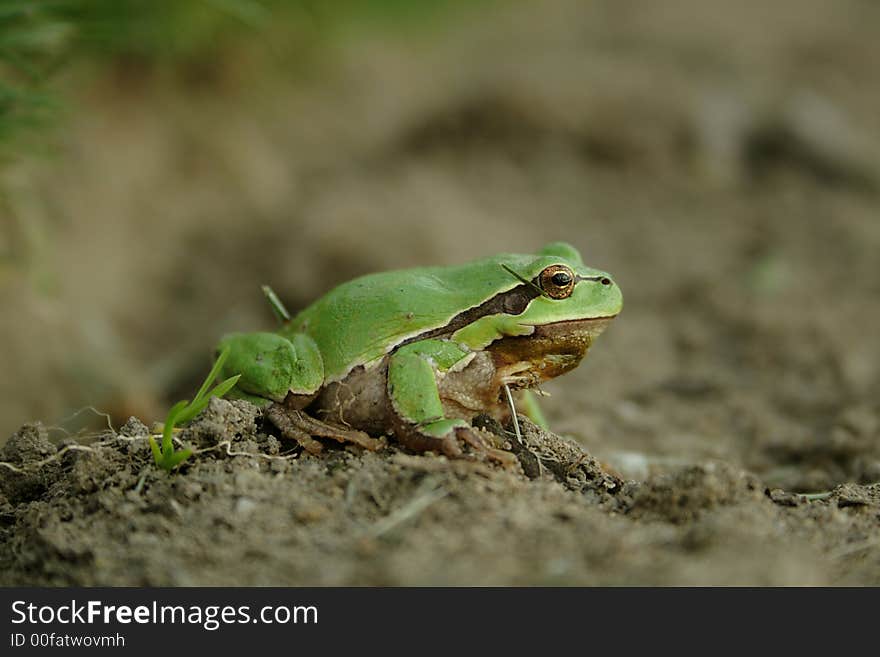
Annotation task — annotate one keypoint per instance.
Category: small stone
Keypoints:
(30, 443)
(133, 427)
(852, 495)
(245, 505)
(782, 497)
(30, 452)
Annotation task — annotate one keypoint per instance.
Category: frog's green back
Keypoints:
(363, 319)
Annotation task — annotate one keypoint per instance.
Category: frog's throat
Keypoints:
(550, 351)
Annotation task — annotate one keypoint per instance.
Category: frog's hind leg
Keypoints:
(420, 423)
(301, 427)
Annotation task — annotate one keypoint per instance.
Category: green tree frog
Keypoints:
(417, 353)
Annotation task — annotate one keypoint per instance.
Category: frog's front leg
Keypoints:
(273, 367)
(421, 423)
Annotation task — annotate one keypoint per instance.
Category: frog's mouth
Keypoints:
(550, 351)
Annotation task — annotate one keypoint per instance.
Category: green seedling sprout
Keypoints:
(184, 411)
(277, 306)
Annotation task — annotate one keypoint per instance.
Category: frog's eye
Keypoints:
(561, 278)
(557, 281)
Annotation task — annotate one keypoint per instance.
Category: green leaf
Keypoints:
(212, 375)
(277, 305)
(225, 386)
(178, 457)
(184, 411)
(197, 406)
(157, 453)
(192, 410)
(170, 422)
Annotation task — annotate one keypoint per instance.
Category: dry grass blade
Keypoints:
(427, 495)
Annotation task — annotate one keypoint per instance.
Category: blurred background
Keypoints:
(159, 161)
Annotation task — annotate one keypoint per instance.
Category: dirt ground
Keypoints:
(723, 162)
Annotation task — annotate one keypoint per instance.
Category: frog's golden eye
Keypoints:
(557, 281)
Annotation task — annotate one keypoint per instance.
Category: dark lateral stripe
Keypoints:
(512, 302)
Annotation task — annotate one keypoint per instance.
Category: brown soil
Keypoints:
(722, 161)
(243, 514)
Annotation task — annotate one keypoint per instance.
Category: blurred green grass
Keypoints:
(39, 38)
(32, 43)
(44, 44)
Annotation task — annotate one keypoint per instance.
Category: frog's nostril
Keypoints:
(605, 281)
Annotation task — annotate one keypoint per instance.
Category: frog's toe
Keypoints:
(479, 443)
(315, 427)
(420, 442)
(280, 417)
(447, 437)
(297, 425)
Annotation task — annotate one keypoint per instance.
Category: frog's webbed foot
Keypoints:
(298, 426)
